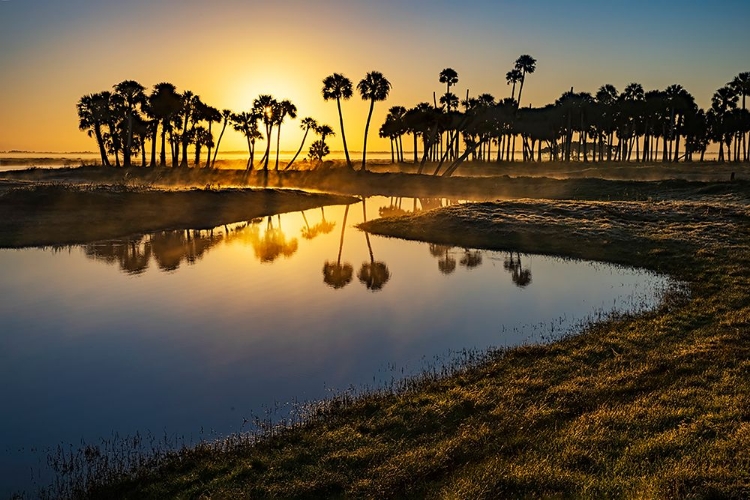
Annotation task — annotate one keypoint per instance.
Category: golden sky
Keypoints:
(229, 51)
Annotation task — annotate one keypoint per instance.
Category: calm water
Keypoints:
(181, 331)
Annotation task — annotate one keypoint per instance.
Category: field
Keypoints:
(651, 406)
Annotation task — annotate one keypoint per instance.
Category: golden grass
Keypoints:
(650, 406)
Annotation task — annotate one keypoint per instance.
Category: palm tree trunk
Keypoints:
(100, 143)
(218, 143)
(343, 134)
(414, 135)
(269, 133)
(208, 153)
(278, 142)
(367, 128)
(129, 142)
(302, 145)
(163, 153)
(153, 144)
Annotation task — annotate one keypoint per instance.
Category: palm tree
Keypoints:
(449, 77)
(92, 116)
(186, 112)
(164, 103)
(132, 96)
(373, 87)
(226, 114)
(512, 77)
(267, 108)
(247, 124)
(526, 65)
(337, 86)
(285, 108)
(306, 124)
(741, 85)
(211, 115)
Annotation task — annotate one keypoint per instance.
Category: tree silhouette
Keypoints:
(306, 124)
(335, 274)
(285, 108)
(337, 86)
(526, 65)
(267, 108)
(211, 115)
(132, 95)
(247, 124)
(93, 114)
(226, 115)
(373, 87)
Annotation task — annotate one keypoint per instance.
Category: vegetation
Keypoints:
(648, 406)
(608, 126)
(57, 214)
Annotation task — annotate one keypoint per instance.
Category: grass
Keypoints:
(62, 214)
(649, 406)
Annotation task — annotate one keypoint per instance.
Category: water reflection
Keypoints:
(395, 205)
(322, 227)
(150, 352)
(520, 276)
(338, 275)
(373, 274)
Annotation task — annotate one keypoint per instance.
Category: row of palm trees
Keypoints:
(609, 125)
(632, 125)
(123, 120)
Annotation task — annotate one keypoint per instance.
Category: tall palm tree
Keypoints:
(267, 108)
(226, 114)
(741, 85)
(92, 116)
(512, 77)
(211, 115)
(286, 108)
(526, 65)
(449, 77)
(306, 124)
(165, 103)
(337, 86)
(373, 87)
(132, 94)
(186, 112)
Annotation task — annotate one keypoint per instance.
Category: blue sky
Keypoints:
(54, 51)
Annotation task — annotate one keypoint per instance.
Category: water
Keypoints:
(186, 332)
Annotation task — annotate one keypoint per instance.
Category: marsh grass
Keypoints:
(653, 405)
(56, 213)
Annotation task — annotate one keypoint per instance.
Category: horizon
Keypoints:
(414, 43)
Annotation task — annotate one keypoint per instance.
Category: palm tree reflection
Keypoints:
(471, 258)
(323, 227)
(272, 243)
(374, 275)
(336, 274)
(520, 276)
(132, 256)
(446, 262)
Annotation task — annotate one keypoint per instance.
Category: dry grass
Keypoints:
(653, 406)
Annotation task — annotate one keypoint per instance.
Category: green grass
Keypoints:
(648, 406)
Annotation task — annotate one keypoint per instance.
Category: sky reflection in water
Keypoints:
(185, 330)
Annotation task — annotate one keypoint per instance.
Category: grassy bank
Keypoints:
(57, 214)
(654, 406)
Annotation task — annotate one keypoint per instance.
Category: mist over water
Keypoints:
(189, 333)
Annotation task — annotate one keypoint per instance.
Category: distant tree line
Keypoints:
(632, 125)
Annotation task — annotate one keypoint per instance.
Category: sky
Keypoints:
(52, 52)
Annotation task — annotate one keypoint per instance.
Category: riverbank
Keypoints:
(653, 406)
(34, 214)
